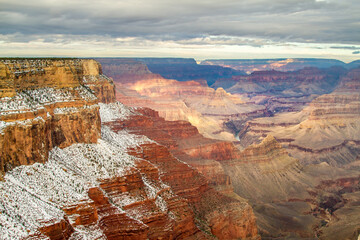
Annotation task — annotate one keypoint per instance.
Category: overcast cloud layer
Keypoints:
(159, 27)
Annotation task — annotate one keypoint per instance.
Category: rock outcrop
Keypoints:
(47, 103)
(101, 85)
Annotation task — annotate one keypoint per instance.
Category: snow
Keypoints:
(27, 122)
(32, 196)
(91, 79)
(35, 99)
(36, 193)
(87, 233)
(73, 109)
(114, 111)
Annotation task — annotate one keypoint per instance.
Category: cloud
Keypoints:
(311, 27)
(345, 47)
(356, 52)
(292, 20)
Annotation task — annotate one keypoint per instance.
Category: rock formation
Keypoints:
(327, 130)
(219, 210)
(192, 101)
(322, 136)
(66, 176)
(76, 164)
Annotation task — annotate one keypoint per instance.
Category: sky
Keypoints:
(200, 29)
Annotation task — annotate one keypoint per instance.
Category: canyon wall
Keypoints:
(187, 69)
(327, 130)
(192, 101)
(71, 169)
(47, 103)
(324, 138)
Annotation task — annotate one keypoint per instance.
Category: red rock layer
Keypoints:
(226, 217)
(57, 231)
(113, 223)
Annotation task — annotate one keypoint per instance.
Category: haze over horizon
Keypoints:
(200, 30)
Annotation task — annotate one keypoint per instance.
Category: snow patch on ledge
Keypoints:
(35, 99)
(114, 111)
(27, 122)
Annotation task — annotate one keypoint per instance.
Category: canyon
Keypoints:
(144, 148)
(69, 171)
(269, 113)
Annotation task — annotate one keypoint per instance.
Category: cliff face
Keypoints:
(46, 103)
(101, 85)
(18, 75)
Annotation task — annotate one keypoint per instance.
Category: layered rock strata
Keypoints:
(46, 103)
(226, 216)
(79, 182)
(327, 130)
(192, 101)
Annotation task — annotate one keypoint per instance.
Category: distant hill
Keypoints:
(281, 64)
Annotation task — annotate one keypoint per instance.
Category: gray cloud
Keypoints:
(345, 47)
(356, 52)
(277, 20)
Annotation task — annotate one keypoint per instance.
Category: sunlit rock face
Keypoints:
(192, 101)
(102, 86)
(45, 103)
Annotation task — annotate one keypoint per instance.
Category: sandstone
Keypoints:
(57, 231)
(49, 107)
(196, 189)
